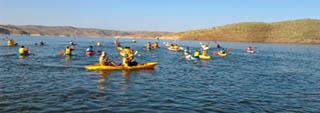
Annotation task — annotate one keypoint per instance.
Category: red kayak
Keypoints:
(89, 53)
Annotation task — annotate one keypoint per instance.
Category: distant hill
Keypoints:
(296, 31)
(73, 31)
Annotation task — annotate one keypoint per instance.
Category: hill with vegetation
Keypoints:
(73, 31)
(295, 31)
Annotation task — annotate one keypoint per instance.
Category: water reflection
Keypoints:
(103, 76)
(22, 57)
(101, 83)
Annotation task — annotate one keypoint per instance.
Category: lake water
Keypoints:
(277, 78)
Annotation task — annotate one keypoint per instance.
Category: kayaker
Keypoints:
(98, 43)
(188, 54)
(42, 43)
(204, 47)
(72, 43)
(155, 45)
(117, 43)
(175, 46)
(187, 51)
(23, 51)
(148, 46)
(196, 54)
(68, 51)
(128, 57)
(223, 51)
(10, 42)
(89, 50)
(105, 61)
(249, 48)
(218, 44)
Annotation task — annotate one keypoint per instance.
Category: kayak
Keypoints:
(221, 54)
(173, 49)
(248, 51)
(205, 57)
(89, 53)
(189, 57)
(150, 65)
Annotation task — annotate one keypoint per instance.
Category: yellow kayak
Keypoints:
(150, 65)
(221, 54)
(173, 49)
(205, 57)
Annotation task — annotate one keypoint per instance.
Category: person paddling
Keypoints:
(89, 50)
(205, 48)
(68, 51)
(148, 46)
(23, 51)
(196, 54)
(128, 56)
(105, 61)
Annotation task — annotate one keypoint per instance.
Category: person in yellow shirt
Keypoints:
(155, 45)
(68, 51)
(128, 56)
(23, 51)
(196, 54)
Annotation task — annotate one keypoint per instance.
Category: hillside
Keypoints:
(296, 31)
(73, 31)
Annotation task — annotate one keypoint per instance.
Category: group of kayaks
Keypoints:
(149, 65)
(203, 55)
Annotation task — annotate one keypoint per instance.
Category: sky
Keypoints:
(153, 15)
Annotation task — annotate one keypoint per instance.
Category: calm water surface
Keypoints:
(278, 78)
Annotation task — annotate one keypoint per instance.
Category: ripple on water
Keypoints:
(278, 78)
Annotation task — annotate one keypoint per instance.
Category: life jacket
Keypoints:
(22, 51)
(204, 53)
(102, 60)
(129, 52)
(196, 54)
(68, 51)
(10, 42)
(155, 45)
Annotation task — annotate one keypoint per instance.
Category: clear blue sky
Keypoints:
(152, 15)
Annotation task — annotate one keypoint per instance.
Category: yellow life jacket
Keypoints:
(67, 51)
(204, 53)
(22, 51)
(196, 54)
(129, 52)
(155, 45)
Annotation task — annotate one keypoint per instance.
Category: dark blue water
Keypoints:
(277, 78)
